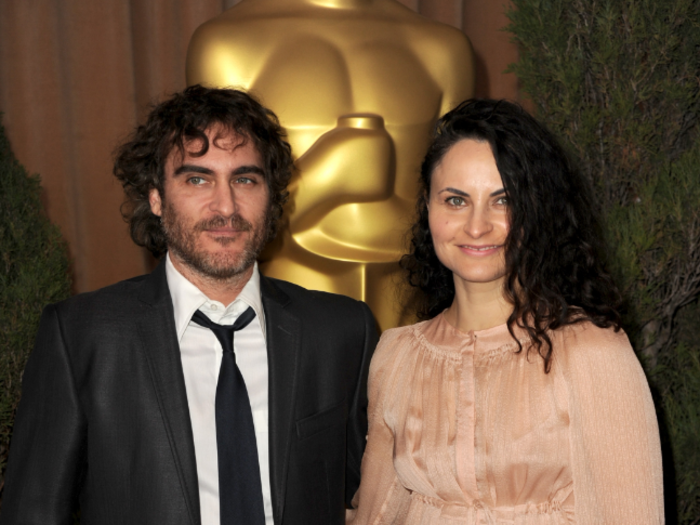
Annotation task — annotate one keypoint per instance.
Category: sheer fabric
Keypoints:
(465, 430)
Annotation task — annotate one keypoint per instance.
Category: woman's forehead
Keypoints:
(468, 162)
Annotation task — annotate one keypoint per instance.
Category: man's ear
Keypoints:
(155, 201)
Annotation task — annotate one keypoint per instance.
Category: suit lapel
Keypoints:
(283, 330)
(156, 328)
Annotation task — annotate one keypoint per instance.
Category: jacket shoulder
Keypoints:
(110, 298)
(314, 297)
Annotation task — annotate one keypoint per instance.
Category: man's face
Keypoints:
(215, 209)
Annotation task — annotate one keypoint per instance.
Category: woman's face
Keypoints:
(468, 213)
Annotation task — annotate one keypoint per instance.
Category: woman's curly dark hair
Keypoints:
(140, 163)
(554, 251)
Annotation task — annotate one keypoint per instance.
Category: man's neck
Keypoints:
(224, 291)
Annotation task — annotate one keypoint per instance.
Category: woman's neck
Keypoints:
(478, 306)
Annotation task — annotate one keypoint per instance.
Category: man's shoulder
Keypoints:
(299, 293)
(324, 304)
(115, 296)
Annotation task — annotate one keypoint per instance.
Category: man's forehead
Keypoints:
(218, 136)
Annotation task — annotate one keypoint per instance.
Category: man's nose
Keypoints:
(224, 200)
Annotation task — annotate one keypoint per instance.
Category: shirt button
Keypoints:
(213, 307)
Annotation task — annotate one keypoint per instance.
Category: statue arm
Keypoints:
(353, 162)
(455, 71)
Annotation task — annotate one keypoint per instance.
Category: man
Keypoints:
(126, 410)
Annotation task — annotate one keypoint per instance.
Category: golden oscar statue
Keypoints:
(358, 85)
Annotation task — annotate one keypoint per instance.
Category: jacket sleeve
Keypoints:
(615, 446)
(381, 498)
(357, 415)
(46, 456)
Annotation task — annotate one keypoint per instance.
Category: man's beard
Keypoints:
(182, 242)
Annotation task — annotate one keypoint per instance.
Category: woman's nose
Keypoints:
(477, 223)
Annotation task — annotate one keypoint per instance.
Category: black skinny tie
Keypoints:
(240, 489)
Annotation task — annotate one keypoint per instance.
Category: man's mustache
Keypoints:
(235, 222)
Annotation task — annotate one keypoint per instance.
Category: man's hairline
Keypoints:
(180, 145)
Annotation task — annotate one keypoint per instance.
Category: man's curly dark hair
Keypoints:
(555, 274)
(140, 162)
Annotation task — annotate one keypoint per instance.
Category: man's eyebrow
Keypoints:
(193, 168)
(249, 169)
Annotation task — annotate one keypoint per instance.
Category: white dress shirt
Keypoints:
(201, 355)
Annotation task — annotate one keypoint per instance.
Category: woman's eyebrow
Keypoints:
(465, 194)
(454, 190)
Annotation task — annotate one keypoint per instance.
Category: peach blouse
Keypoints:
(464, 430)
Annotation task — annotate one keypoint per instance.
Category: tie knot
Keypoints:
(224, 333)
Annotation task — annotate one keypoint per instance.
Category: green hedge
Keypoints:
(33, 273)
(619, 81)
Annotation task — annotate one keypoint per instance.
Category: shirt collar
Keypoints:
(187, 299)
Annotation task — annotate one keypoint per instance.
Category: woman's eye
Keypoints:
(502, 201)
(455, 201)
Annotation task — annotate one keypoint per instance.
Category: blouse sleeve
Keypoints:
(615, 447)
(381, 498)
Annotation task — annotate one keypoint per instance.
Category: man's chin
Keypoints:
(216, 265)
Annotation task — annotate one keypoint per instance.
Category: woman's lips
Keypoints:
(480, 251)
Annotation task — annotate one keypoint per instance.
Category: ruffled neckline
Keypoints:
(498, 329)
(440, 335)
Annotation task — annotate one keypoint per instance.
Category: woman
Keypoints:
(518, 400)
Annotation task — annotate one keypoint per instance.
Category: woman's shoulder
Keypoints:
(395, 343)
(586, 334)
(584, 346)
(401, 331)
(396, 338)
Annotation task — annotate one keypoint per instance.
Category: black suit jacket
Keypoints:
(104, 417)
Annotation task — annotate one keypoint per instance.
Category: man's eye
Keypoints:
(455, 201)
(195, 181)
(244, 180)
